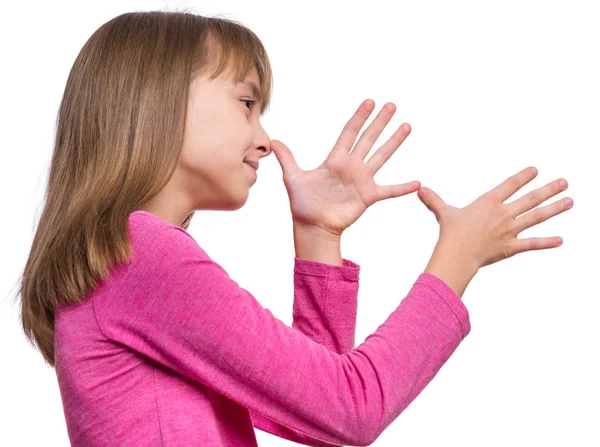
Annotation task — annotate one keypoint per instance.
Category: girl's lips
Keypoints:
(252, 170)
(252, 164)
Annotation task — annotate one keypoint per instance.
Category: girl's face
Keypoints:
(222, 130)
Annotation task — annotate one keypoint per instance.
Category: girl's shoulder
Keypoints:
(155, 239)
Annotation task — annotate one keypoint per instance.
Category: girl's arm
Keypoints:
(324, 309)
(181, 309)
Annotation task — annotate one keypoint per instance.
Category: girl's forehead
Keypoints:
(224, 84)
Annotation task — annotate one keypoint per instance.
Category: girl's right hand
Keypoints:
(485, 231)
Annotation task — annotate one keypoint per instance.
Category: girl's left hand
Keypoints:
(335, 194)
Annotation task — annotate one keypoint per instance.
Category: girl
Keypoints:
(152, 342)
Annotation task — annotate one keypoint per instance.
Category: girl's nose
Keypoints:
(263, 142)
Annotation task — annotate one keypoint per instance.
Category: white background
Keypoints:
(489, 88)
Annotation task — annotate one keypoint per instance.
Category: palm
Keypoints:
(335, 194)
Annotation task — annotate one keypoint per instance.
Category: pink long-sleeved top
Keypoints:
(170, 351)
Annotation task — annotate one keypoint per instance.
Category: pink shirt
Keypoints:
(170, 351)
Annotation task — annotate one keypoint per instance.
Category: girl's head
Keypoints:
(222, 130)
(154, 116)
(227, 96)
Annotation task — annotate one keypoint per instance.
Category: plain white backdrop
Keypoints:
(489, 88)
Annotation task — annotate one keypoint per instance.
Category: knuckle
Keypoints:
(527, 245)
(553, 190)
(556, 210)
(505, 215)
(535, 197)
(353, 126)
(538, 216)
(370, 137)
(508, 251)
(566, 203)
(489, 199)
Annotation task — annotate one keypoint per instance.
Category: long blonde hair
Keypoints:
(119, 135)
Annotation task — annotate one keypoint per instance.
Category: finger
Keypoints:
(534, 198)
(352, 127)
(433, 202)
(391, 191)
(384, 153)
(369, 136)
(534, 243)
(285, 158)
(540, 215)
(512, 184)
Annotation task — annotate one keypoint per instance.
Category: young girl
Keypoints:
(152, 342)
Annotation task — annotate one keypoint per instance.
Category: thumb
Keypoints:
(285, 158)
(432, 201)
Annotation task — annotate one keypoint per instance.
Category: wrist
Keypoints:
(316, 232)
(453, 267)
(316, 244)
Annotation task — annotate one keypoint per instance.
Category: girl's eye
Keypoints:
(250, 102)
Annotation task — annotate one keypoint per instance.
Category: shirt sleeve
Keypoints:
(324, 309)
(185, 312)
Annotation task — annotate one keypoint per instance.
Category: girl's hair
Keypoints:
(119, 135)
